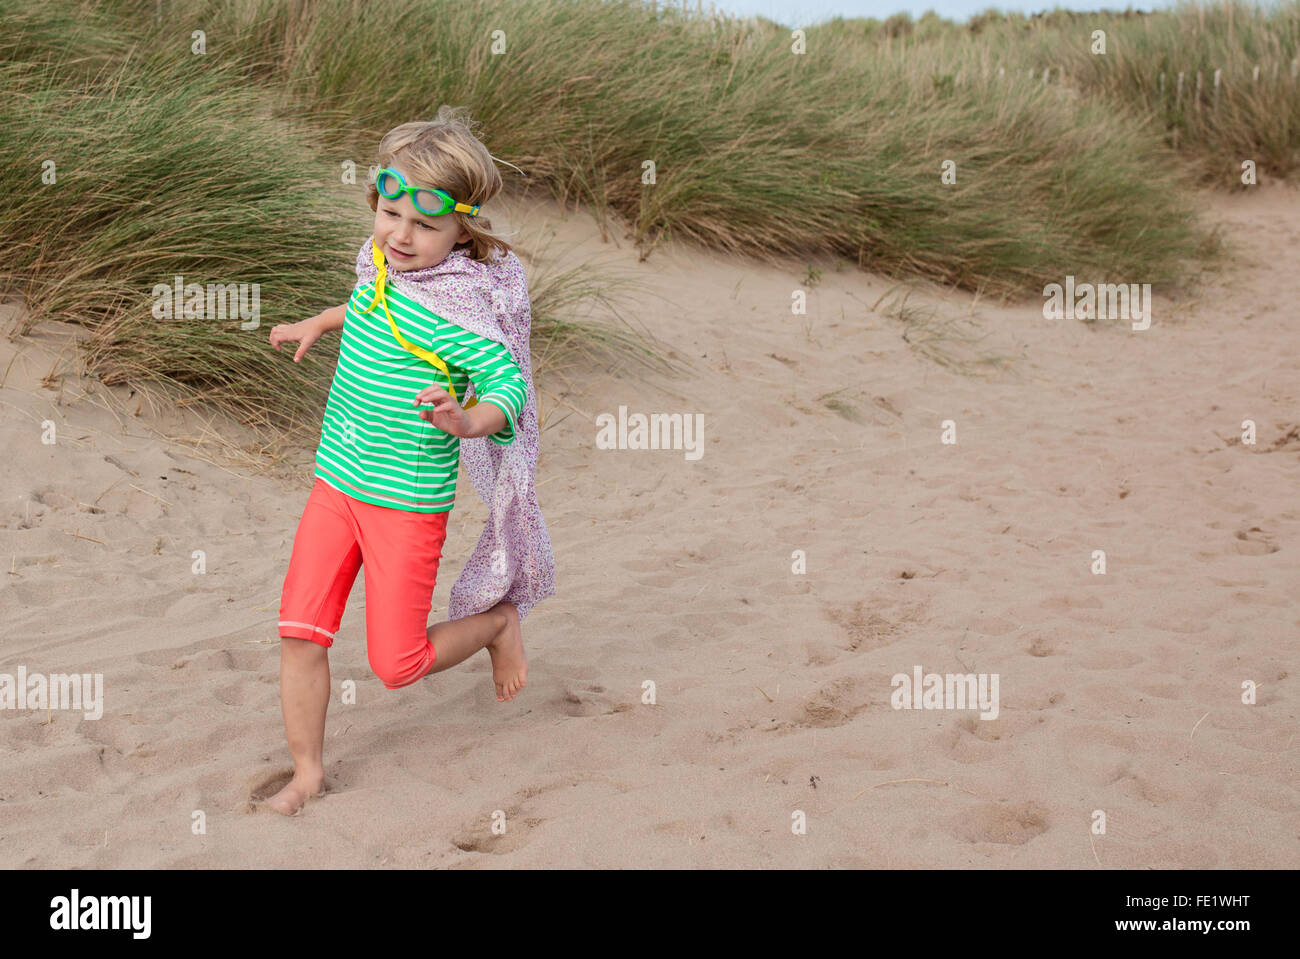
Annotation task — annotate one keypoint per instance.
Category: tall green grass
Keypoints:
(224, 167)
(162, 168)
(171, 164)
(1249, 114)
(756, 150)
(1253, 112)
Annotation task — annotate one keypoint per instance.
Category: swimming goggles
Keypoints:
(428, 356)
(429, 201)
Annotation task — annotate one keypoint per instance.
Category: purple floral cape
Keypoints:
(513, 561)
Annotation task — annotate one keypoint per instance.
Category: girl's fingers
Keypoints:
(430, 394)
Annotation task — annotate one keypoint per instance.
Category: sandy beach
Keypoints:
(822, 445)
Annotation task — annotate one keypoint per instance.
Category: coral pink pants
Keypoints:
(400, 550)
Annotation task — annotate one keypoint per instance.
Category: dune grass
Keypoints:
(161, 171)
(165, 166)
(756, 150)
(224, 167)
(1253, 112)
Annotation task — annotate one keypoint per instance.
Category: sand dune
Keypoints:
(1118, 692)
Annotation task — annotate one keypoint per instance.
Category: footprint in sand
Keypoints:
(1254, 542)
(1041, 646)
(270, 784)
(1124, 780)
(836, 703)
(867, 630)
(974, 740)
(482, 840)
(1012, 824)
(587, 702)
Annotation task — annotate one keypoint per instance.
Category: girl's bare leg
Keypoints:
(498, 630)
(304, 698)
(305, 687)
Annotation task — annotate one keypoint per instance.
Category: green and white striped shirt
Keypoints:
(374, 446)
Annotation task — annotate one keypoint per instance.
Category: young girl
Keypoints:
(439, 302)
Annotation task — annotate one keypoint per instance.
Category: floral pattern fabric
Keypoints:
(513, 560)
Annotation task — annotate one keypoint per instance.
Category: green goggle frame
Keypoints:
(429, 201)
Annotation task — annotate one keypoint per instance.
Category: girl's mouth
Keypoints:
(399, 253)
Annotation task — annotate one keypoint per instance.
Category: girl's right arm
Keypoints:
(332, 319)
(307, 332)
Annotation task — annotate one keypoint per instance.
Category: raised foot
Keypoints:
(509, 664)
(290, 800)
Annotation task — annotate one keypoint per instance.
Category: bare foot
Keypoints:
(290, 800)
(509, 664)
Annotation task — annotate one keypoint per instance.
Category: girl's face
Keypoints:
(409, 239)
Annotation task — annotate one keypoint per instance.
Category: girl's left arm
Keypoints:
(501, 390)
(486, 419)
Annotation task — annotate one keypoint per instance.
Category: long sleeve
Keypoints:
(496, 378)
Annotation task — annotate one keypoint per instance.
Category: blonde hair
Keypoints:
(446, 153)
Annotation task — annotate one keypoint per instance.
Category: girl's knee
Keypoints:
(401, 671)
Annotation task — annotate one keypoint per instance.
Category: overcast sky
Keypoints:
(807, 12)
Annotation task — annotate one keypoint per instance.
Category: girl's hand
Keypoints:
(305, 333)
(448, 415)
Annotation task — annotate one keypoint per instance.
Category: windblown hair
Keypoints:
(446, 153)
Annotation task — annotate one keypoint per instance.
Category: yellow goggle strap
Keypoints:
(427, 355)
